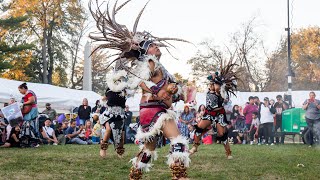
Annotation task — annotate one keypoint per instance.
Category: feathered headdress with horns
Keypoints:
(227, 78)
(132, 46)
(118, 37)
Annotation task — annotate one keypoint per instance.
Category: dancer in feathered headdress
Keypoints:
(138, 65)
(222, 84)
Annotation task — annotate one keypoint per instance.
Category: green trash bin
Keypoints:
(293, 120)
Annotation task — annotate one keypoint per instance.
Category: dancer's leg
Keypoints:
(142, 162)
(120, 148)
(201, 128)
(223, 137)
(104, 142)
(178, 158)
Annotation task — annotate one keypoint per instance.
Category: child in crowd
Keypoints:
(60, 132)
(254, 129)
(191, 133)
(82, 135)
(13, 140)
(96, 132)
(88, 130)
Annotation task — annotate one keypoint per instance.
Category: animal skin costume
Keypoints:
(215, 112)
(132, 69)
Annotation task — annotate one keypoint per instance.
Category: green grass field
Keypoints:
(83, 162)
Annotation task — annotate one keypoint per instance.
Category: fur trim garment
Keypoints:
(181, 157)
(156, 129)
(136, 162)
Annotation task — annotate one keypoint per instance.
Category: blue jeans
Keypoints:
(314, 126)
(81, 121)
(78, 141)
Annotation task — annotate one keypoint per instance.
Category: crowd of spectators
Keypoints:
(255, 123)
(57, 129)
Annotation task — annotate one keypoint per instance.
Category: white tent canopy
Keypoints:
(59, 98)
(298, 98)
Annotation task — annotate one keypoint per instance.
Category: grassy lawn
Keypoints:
(83, 162)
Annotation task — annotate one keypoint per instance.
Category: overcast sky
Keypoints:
(196, 20)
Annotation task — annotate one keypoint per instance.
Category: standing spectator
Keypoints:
(254, 128)
(227, 104)
(266, 120)
(234, 114)
(30, 127)
(127, 121)
(73, 134)
(258, 104)
(50, 112)
(30, 110)
(200, 112)
(312, 107)
(98, 108)
(279, 106)
(84, 111)
(248, 110)
(48, 134)
(185, 119)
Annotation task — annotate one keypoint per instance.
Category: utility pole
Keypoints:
(289, 60)
(87, 68)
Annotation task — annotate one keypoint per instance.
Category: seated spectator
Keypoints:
(254, 129)
(82, 133)
(73, 134)
(48, 134)
(191, 133)
(234, 135)
(98, 108)
(200, 112)
(96, 132)
(61, 132)
(207, 138)
(3, 125)
(13, 140)
(88, 133)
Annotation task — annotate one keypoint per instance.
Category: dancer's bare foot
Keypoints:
(194, 148)
(103, 149)
(120, 152)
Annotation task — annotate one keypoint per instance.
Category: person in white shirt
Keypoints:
(267, 120)
(48, 134)
(254, 128)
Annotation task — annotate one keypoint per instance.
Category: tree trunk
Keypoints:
(50, 53)
(44, 58)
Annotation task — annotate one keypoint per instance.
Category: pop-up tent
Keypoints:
(59, 98)
(298, 97)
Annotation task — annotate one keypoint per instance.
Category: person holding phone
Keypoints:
(312, 107)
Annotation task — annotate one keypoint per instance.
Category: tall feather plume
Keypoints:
(229, 76)
(116, 36)
(134, 31)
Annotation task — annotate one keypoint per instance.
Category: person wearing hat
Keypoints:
(50, 112)
(266, 120)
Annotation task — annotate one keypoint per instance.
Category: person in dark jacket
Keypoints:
(84, 111)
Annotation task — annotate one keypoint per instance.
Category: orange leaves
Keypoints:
(19, 64)
(306, 56)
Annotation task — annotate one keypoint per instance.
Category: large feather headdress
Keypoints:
(227, 78)
(116, 36)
